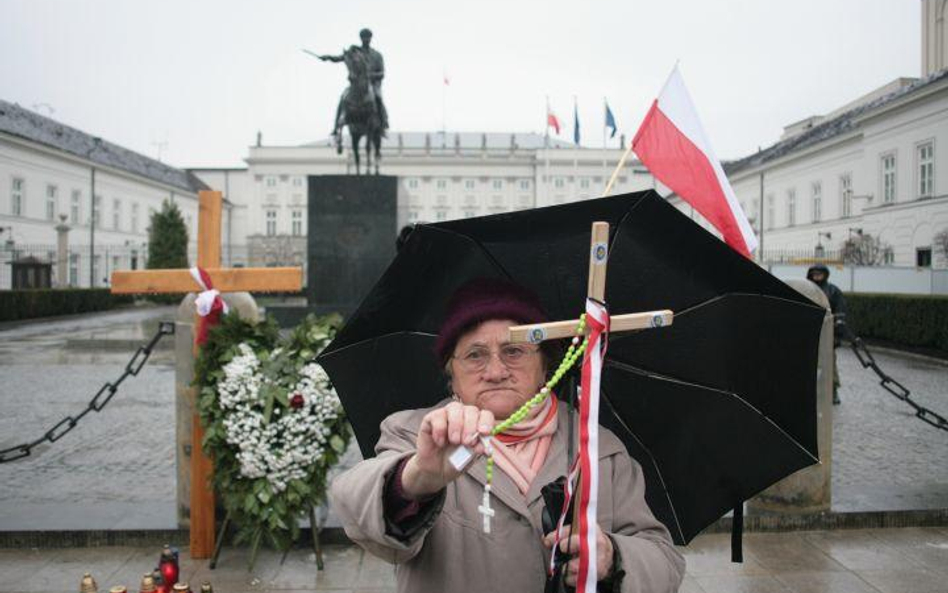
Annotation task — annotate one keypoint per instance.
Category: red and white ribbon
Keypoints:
(587, 461)
(597, 318)
(209, 303)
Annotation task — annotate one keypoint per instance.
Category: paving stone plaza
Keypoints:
(115, 471)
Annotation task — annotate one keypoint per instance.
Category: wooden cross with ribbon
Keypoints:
(209, 279)
(584, 475)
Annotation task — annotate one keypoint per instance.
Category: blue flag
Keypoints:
(610, 121)
(575, 124)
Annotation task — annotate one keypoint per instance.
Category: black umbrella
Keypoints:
(715, 408)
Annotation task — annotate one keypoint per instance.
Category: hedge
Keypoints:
(49, 302)
(909, 320)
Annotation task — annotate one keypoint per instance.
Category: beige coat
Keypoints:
(450, 553)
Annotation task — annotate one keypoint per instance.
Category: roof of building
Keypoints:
(831, 127)
(465, 140)
(26, 124)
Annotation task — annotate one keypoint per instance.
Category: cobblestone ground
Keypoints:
(884, 457)
(116, 469)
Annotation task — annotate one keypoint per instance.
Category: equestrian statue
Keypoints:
(361, 107)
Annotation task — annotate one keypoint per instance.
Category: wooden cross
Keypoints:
(596, 289)
(224, 280)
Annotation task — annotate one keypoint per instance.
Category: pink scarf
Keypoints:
(522, 449)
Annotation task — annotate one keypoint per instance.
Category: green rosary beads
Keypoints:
(573, 353)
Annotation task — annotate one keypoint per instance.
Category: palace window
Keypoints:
(51, 193)
(441, 215)
(297, 220)
(559, 182)
(97, 211)
(135, 217)
(888, 178)
(817, 190)
(16, 197)
(442, 183)
(413, 183)
(469, 184)
(845, 195)
(584, 182)
(923, 257)
(770, 211)
(524, 184)
(297, 181)
(271, 181)
(926, 169)
(271, 218)
(413, 215)
(116, 214)
(469, 213)
(75, 205)
(498, 183)
(791, 207)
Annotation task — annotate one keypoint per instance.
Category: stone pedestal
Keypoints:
(353, 223)
(809, 490)
(240, 303)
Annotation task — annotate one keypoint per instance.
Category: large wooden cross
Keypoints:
(596, 289)
(224, 280)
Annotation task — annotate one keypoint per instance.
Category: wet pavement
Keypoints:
(115, 470)
(911, 560)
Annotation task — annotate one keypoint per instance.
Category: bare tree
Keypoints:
(865, 250)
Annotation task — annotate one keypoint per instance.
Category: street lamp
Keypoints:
(819, 251)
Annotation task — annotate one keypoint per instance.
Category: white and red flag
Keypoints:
(672, 143)
(552, 121)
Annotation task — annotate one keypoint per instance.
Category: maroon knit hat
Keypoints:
(480, 300)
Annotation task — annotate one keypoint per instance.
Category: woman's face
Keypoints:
(498, 386)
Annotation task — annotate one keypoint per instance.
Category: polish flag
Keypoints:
(552, 121)
(671, 142)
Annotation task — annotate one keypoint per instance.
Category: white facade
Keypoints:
(442, 177)
(882, 169)
(39, 183)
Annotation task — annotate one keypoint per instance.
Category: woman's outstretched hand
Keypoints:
(443, 429)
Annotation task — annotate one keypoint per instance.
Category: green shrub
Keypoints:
(49, 302)
(910, 320)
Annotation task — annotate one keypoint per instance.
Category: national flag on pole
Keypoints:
(551, 120)
(610, 121)
(575, 123)
(673, 145)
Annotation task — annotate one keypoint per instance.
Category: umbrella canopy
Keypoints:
(715, 408)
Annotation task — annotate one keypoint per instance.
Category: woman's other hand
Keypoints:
(443, 429)
(570, 545)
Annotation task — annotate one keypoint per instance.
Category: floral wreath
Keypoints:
(274, 425)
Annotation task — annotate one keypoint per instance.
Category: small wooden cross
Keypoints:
(596, 289)
(224, 280)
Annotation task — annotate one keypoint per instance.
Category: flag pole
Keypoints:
(444, 102)
(546, 155)
(605, 148)
(615, 173)
(576, 148)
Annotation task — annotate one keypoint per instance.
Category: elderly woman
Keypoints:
(409, 506)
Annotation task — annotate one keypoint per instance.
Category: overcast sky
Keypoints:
(202, 76)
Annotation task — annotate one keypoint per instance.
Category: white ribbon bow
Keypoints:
(205, 299)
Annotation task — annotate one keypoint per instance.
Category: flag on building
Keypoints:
(551, 120)
(673, 145)
(575, 122)
(610, 121)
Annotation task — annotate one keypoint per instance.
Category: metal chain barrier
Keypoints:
(890, 384)
(102, 397)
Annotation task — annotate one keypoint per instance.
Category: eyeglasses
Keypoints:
(513, 356)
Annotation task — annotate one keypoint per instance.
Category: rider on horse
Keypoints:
(369, 63)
